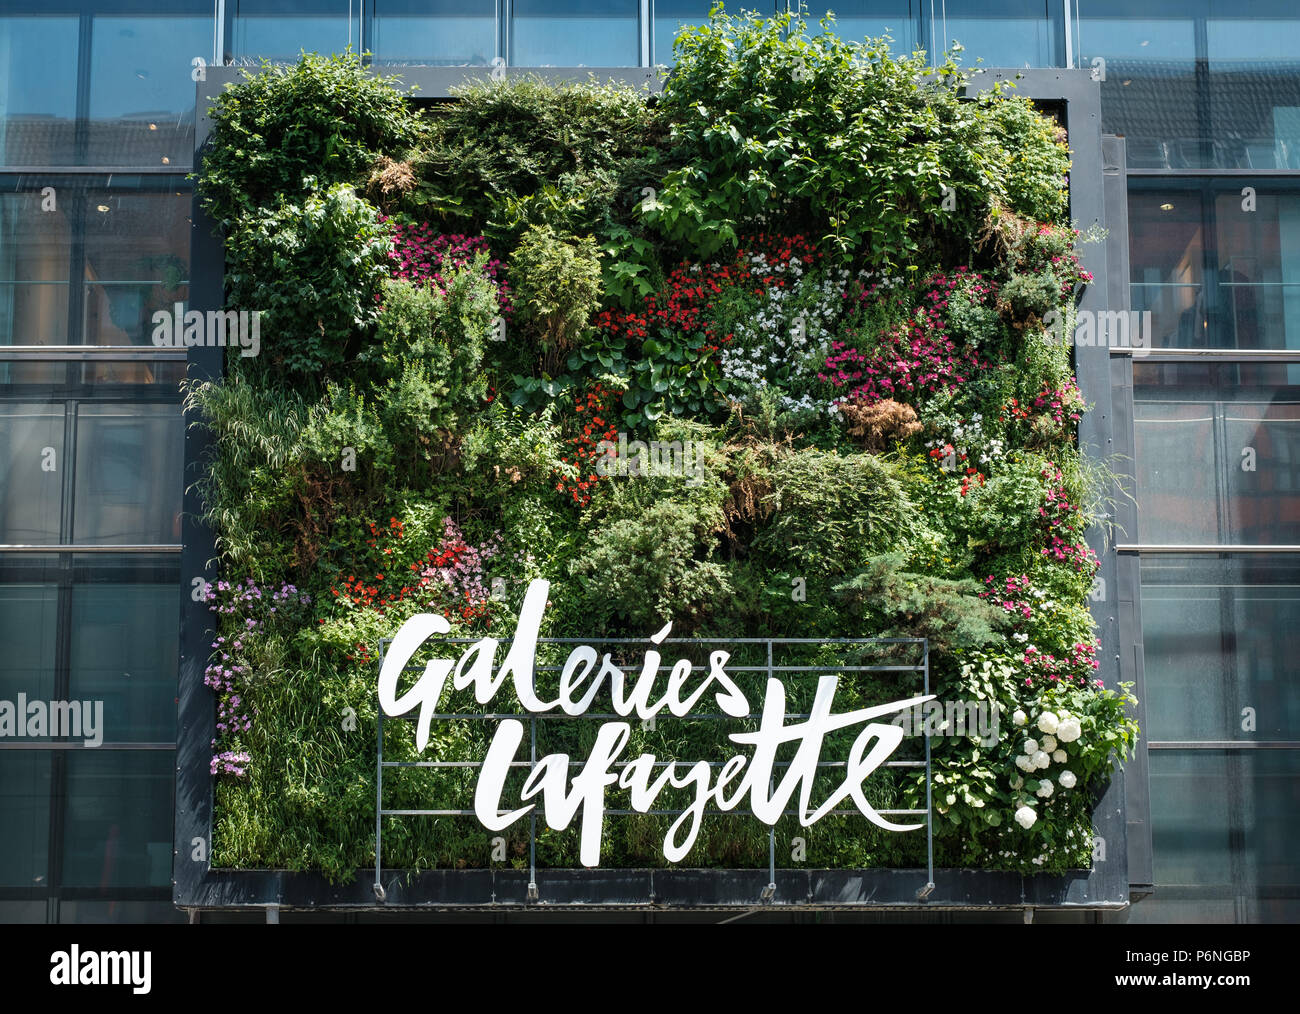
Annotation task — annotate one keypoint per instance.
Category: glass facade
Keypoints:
(97, 134)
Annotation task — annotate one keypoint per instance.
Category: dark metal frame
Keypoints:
(197, 886)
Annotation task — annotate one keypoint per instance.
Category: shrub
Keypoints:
(557, 288)
(324, 118)
(832, 511)
(314, 270)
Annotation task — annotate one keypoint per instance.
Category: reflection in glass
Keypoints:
(31, 470)
(35, 255)
(575, 33)
(124, 653)
(28, 614)
(118, 822)
(1003, 33)
(1198, 83)
(25, 828)
(1220, 634)
(137, 253)
(441, 33)
(1223, 827)
(1217, 460)
(128, 478)
(141, 95)
(38, 80)
(280, 30)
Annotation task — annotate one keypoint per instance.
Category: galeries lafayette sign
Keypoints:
(745, 778)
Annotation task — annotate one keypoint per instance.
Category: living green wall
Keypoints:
(823, 268)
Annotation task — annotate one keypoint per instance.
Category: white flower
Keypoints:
(1024, 763)
(1069, 730)
(1040, 759)
(1067, 779)
(1026, 816)
(1059, 755)
(1019, 718)
(1045, 788)
(1048, 743)
(1017, 782)
(1031, 746)
(1047, 722)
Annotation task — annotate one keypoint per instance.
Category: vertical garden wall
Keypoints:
(768, 354)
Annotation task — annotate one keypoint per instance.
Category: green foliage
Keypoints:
(388, 458)
(833, 511)
(896, 603)
(324, 118)
(313, 269)
(774, 125)
(556, 285)
(652, 567)
(510, 154)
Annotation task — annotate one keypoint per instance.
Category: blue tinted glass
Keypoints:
(25, 829)
(141, 106)
(1198, 84)
(128, 481)
(1219, 634)
(279, 30)
(124, 648)
(857, 20)
(28, 613)
(443, 33)
(118, 821)
(669, 17)
(575, 33)
(1002, 33)
(1223, 827)
(38, 79)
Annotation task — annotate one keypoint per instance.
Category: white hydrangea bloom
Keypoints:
(1048, 743)
(1069, 730)
(1047, 722)
(1041, 760)
(1067, 779)
(1045, 788)
(1026, 817)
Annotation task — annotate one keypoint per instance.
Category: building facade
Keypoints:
(97, 129)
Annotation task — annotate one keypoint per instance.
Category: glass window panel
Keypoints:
(38, 89)
(1167, 263)
(137, 262)
(124, 653)
(1223, 826)
(670, 16)
(31, 472)
(1259, 271)
(128, 479)
(857, 20)
(118, 822)
(141, 108)
(28, 630)
(1217, 454)
(35, 255)
(1003, 33)
(25, 829)
(444, 33)
(280, 30)
(1219, 635)
(575, 33)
